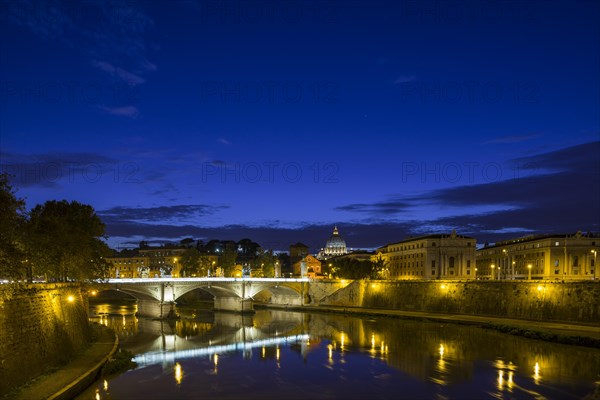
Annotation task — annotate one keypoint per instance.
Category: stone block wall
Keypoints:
(541, 300)
(41, 326)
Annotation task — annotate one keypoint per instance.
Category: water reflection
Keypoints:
(274, 353)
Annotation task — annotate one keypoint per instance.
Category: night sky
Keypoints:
(277, 120)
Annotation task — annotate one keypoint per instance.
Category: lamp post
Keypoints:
(529, 271)
(595, 267)
(475, 273)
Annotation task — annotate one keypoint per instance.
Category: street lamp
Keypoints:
(529, 271)
(493, 266)
(595, 267)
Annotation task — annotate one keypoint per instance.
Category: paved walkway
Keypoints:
(73, 377)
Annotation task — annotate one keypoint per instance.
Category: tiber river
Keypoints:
(283, 355)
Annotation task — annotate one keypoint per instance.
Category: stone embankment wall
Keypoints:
(41, 326)
(543, 300)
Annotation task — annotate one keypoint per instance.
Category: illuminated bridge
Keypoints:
(157, 296)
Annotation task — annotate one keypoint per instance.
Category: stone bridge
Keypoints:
(157, 296)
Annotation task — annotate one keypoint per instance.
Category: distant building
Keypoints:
(553, 256)
(335, 246)
(312, 267)
(128, 267)
(164, 261)
(430, 257)
(297, 252)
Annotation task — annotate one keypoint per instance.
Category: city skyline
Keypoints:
(277, 121)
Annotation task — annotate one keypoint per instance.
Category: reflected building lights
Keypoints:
(264, 352)
(500, 379)
(97, 397)
(105, 385)
(178, 373)
(536, 373)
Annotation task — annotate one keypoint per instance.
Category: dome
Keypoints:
(336, 245)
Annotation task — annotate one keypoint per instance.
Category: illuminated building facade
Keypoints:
(558, 256)
(430, 257)
(312, 265)
(164, 261)
(128, 267)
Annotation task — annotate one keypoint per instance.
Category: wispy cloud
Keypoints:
(514, 138)
(405, 79)
(183, 213)
(51, 168)
(101, 30)
(224, 141)
(116, 72)
(125, 111)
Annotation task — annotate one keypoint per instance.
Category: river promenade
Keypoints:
(71, 379)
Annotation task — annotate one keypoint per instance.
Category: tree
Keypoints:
(381, 267)
(266, 261)
(64, 241)
(352, 268)
(194, 263)
(12, 219)
(228, 260)
(190, 261)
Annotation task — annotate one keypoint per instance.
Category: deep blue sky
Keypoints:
(277, 120)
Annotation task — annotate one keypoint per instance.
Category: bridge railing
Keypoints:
(196, 280)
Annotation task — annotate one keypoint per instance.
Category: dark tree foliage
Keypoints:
(194, 263)
(64, 242)
(13, 264)
(352, 268)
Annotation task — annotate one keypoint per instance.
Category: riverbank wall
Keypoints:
(41, 326)
(576, 302)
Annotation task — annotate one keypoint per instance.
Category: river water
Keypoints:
(276, 354)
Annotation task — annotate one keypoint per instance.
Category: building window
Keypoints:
(575, 261)
(432, 263)
(556, 263)
(451, 262)
(468, 272)
(468, 264)
(433, 244)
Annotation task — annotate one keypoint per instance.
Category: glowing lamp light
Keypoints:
(70, 298)
(93, 292)
(540, 288)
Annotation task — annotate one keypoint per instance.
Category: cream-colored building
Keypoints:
(429, 257)
(128, 267)
(570, 256)
(164, 261)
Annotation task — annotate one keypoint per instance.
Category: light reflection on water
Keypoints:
(278, 354)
